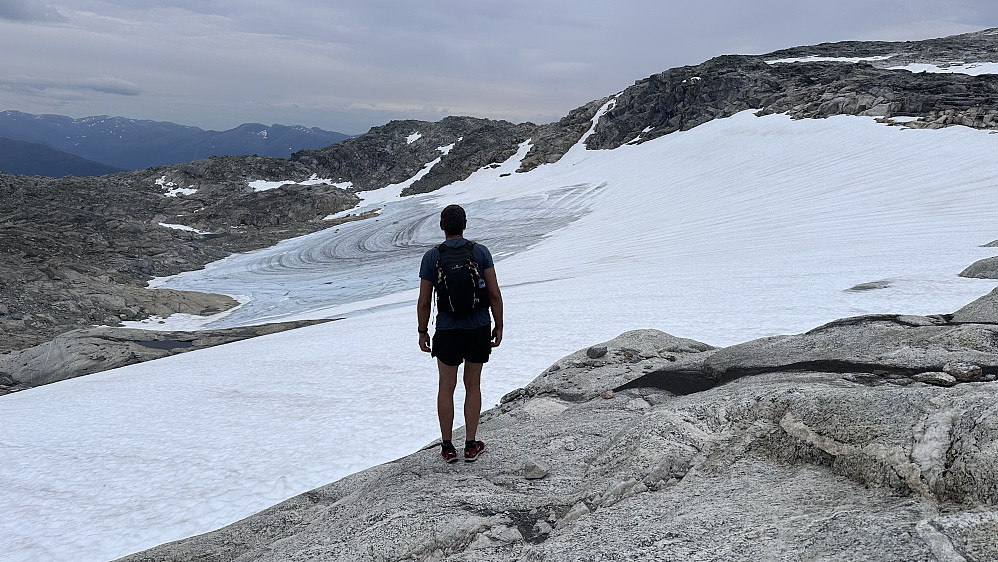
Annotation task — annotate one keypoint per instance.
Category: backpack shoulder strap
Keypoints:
(441, 246)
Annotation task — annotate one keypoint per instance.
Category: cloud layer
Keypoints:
(351, 64)
(28, 11)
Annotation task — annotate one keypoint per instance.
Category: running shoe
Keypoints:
(471, 453)
(449, 453)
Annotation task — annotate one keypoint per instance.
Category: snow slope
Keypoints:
(739, 228)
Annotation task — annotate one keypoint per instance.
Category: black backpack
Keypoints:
(460, 287)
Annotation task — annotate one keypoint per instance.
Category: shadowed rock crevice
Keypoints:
(675, 381)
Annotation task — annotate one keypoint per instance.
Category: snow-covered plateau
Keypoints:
(737, 229)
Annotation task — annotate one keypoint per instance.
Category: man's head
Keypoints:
(453, 220)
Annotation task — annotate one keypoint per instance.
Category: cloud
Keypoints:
(28, 11)
(102, 84)
(351, 64)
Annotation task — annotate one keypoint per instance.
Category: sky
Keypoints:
(348, 65)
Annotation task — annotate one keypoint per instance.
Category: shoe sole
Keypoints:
(451, 461)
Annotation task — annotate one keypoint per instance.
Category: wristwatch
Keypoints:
(423, 331)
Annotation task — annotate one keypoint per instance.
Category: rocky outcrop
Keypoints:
(982, 310)
(83, 352)
(986, 268)
(869, 348)
(682, 98)
(397, 151)
(839, 443)
(78, 251)
(551, 141)
(978, 46)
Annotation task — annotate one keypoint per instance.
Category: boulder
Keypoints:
(986, 268)
(879, 345)
(982, 310)
(870, 286)
(532, 470)
(936, 377)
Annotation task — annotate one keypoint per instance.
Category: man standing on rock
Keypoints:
(464, 277)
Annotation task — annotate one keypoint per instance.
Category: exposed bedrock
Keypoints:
(395, 152)
(78, 252)
(984, 309)
(91, 350)
(986, 268)
(629, 449)
(682, 98)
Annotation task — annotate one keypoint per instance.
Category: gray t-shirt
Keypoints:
(428, 271)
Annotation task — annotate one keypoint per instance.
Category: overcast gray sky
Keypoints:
(348, 65)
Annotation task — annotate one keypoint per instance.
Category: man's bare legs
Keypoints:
(445, 398)
(472, 399)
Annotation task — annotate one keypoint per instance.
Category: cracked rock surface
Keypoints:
(833, 444)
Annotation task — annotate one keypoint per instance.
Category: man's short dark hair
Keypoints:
(453, 220)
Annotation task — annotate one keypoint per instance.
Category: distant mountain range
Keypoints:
(34, 159)
(133, 144)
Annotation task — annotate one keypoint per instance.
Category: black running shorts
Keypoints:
(454, 346)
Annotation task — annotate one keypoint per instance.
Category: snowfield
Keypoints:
(265, 185)
(740, 228)
(971, 68)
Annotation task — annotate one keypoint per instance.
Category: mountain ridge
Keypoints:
(36, 159)
(214, 195)
(132, 144)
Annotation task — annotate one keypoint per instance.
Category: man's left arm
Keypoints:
(495, 303)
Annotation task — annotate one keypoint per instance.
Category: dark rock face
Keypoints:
(978, 46)
(78, 251)
(385, 155)
(551, 142)
(682, 98)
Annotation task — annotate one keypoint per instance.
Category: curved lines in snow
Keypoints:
(376, 256)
